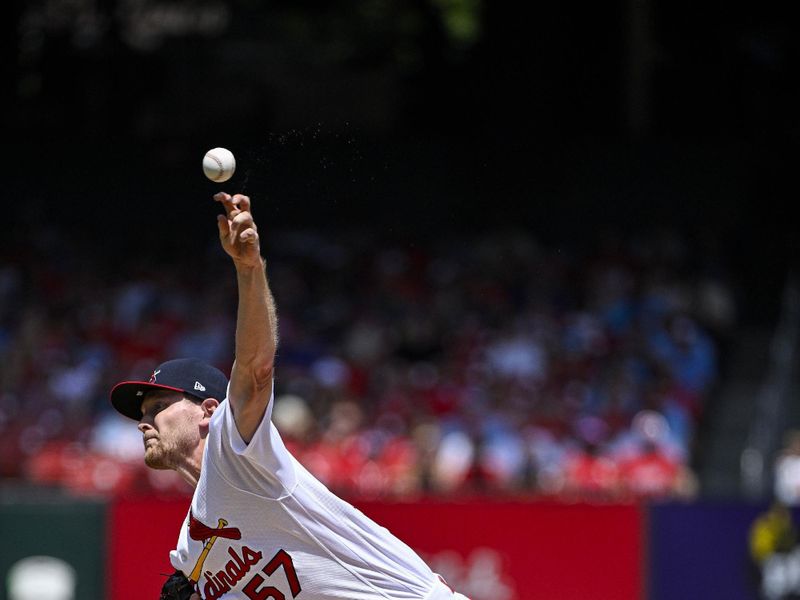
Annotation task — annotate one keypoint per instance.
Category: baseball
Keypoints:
(219, 164)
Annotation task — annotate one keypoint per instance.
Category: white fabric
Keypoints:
(441, 591)
(276, 504)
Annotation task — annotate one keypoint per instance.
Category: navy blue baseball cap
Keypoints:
(189, 376)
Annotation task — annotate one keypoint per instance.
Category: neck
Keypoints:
(189, 469)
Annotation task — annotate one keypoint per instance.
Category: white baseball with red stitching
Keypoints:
(219, 164)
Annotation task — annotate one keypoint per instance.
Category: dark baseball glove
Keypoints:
(176, 587)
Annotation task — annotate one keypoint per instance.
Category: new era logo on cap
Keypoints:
(180, 375)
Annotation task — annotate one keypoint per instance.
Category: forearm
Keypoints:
(256, 319)
(256, 327)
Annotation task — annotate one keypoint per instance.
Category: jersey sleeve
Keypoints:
(265, 453)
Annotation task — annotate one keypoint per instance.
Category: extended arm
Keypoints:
(256, 321)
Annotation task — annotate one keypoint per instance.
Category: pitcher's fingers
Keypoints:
(242, 201)
(241, 221)
(224, 226)
(227, 201)
(248, 236)
(243, 218)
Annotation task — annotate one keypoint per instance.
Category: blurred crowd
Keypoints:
(463, 364)
(786, 475)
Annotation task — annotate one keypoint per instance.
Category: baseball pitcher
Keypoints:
(260, 526)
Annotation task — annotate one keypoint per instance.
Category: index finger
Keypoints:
(227, 202)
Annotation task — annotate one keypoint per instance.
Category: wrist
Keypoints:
(249, 266)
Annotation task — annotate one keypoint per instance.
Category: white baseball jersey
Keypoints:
(262, 527)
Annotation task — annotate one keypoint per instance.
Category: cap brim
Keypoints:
(127, 396)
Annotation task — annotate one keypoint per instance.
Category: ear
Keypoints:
(209, 405)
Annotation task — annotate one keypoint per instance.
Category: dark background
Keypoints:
(566, 119)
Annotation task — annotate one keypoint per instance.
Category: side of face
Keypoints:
(171, 427)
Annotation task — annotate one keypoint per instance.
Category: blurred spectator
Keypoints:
(787, 470)
(452, 462)
(650, 473)
(548, 454)
(772, 532)
(590, 471)
(293, 419)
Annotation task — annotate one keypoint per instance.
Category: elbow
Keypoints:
(259, 371)
(262, 374)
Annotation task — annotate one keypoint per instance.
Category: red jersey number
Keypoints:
(281, 559)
